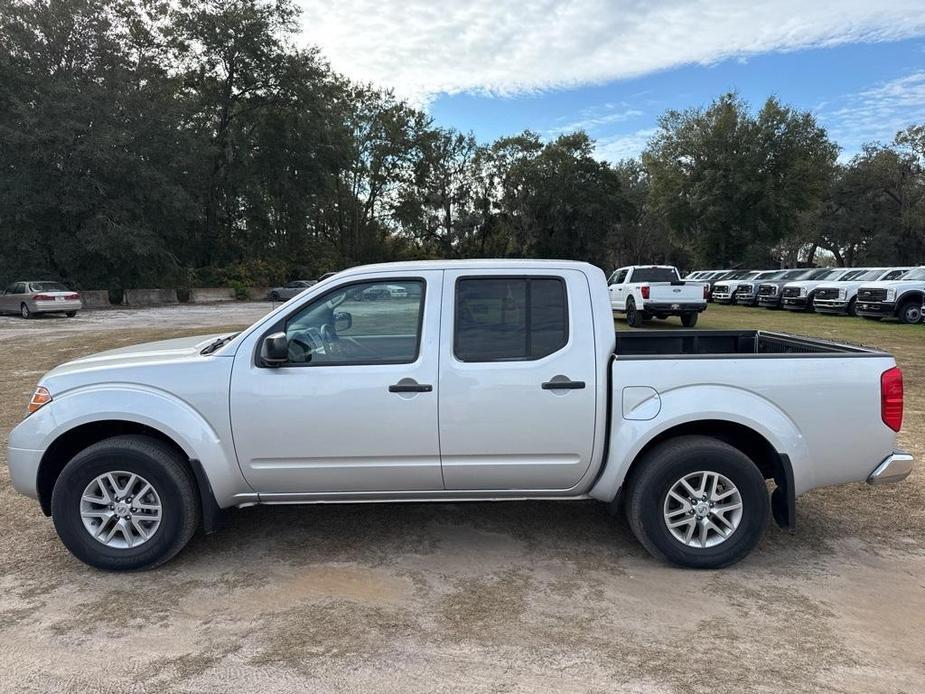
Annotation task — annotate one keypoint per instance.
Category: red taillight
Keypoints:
(42, 297)
(645, 291)
(891, 398)
(706, 291)
(73, 297)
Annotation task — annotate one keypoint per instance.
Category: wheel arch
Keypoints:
(74, 440)
(772, 464)
(914, 296)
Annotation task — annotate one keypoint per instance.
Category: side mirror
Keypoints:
(275, 349)
(343, 321)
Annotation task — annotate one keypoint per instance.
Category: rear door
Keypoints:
(517, 380)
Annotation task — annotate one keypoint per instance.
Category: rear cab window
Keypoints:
(509, 318)
(655, 274)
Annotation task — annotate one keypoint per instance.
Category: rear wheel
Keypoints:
(698, 502)
(688, 320)
(24, 311)
(910, 312)
(71, 314)
(633, 317)
(125, 503)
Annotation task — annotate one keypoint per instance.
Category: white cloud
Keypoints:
(596, 117)
(617, 147)
(877, 113)
(423, 48)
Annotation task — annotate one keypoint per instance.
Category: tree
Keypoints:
(730, 185)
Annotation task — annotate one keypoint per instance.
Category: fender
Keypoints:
(151, 407)
(693, 403)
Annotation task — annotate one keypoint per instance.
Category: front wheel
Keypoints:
(71, 314)
(688, 320)
(125, 503)
(274, 296)
(852, 307)
(910, 313)
(698, 502)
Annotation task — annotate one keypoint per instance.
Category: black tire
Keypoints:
(661, 468)
(71, 314)
(872, 317)
(24, 311)
(157, 463)
(853, 307)
(689, 320)
(633, 317)
(274, 296)
(809, 308)
(910, 312)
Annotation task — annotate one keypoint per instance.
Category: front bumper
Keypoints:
(721, 298)
(769, 301)
(24, 469)
(794, 303)
(670, 308)
(895, 468)
(830, 306)
(745, 299)
(875, 308)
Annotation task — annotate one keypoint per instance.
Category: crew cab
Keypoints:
(644, 291)
(841, 297)
(901, 298)
(799, 295)
(498, 380)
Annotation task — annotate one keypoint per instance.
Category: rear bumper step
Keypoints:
(895, 468)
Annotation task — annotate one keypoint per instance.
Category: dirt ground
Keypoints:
(486, 597)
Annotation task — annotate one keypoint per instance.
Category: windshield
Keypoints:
(795, 275)
(769, 275)
(917, 274)
(655, 274)
(48, 287)
(863, 275)
(825, 274)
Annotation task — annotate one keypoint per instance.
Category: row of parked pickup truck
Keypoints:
(872, 292)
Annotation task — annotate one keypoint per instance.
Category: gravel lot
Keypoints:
(502, 597)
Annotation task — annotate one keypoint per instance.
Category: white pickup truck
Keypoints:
(902, 298)
(482, 380)
(644, 291)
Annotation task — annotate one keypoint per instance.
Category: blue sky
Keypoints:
(611, 67)
(840, 85)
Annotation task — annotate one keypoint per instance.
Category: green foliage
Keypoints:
(192, 143)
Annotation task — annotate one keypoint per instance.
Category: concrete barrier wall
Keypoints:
(150, 297)
(258, 293)
(95, 298)
(205, 295)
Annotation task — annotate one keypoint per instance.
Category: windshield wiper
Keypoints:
(215, 344)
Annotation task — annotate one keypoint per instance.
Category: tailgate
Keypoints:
(676, 292)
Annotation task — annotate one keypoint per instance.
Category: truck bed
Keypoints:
(695, 344)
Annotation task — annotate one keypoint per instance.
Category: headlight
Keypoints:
(40, 398)
(891, 295)
(842, 293)
(802, 291)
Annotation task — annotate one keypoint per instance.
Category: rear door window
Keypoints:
(509, 318)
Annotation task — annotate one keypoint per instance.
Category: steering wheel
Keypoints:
(299, 351)
(329, 339)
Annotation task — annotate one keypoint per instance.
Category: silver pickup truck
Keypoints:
(480, 380)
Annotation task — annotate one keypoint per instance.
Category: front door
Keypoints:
(517, 380)
(355, 408)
